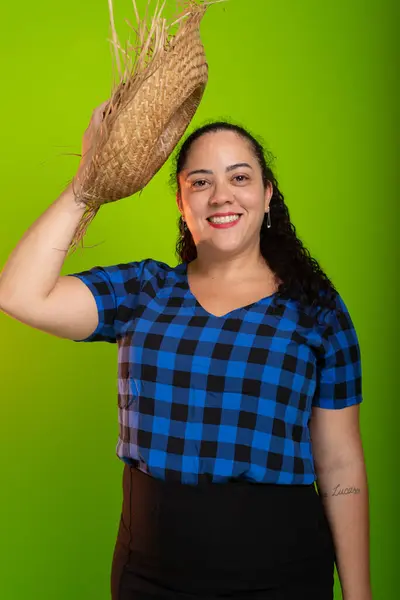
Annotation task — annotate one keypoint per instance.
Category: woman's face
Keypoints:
(222, 195)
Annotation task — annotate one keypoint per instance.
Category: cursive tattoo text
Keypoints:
(343, 491)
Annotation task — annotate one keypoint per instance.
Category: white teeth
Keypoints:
(228, 219)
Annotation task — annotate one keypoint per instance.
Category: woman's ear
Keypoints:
(179, 202)
(269, 190)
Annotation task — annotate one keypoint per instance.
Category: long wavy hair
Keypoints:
(301, 275)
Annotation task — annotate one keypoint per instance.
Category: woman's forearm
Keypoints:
(344, 493)
(34, 265)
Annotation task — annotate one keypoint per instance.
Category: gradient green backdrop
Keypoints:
(317, 81)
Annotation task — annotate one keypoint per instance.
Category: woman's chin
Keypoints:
(227, 246)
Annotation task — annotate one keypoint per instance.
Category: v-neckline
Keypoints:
(228, 314)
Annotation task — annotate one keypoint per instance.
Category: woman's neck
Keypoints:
(232, 269)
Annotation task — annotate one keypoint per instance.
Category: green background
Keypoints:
(317, 81)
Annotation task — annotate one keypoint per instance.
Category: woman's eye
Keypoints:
(199, 183)
(241, 178)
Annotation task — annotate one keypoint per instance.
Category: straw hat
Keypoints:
(157, 95)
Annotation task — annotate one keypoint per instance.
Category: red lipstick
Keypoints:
(224, 225)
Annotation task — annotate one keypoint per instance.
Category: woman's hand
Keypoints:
(88, 136)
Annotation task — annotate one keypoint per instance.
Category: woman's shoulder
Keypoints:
(131, 276)
(152, 268)
(330, 307)
(333, 314)
(146, 267)
(155, 266)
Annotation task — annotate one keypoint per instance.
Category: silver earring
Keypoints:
(269, 219)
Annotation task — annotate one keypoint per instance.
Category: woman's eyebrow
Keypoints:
(237, 165)
(209, 172)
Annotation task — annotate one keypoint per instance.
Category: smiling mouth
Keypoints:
(224, 219)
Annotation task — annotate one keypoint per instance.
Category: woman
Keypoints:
(239, 387)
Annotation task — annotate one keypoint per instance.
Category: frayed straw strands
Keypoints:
(160, 86)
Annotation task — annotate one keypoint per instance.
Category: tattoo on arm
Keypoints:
(342, 491)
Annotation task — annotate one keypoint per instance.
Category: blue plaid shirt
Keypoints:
(211, 398)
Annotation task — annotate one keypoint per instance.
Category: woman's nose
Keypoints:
(221, 194)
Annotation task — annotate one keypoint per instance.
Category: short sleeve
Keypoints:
(115, 290)
(339, 368)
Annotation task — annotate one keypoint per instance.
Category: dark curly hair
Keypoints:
(302, 277)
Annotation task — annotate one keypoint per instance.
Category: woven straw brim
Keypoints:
(147, 117)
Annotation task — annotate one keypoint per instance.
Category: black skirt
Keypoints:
(237, 540)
